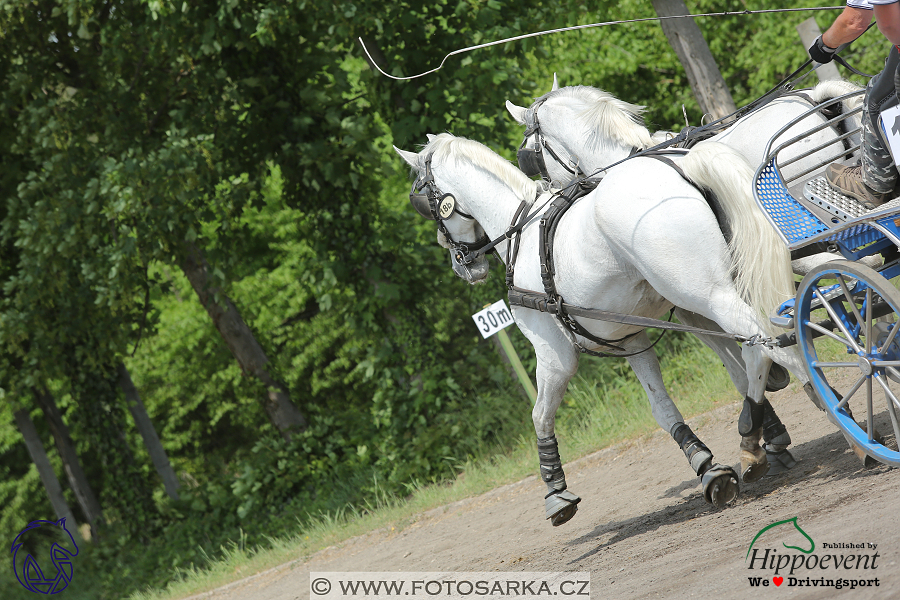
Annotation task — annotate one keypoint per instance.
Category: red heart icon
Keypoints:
(778, 580)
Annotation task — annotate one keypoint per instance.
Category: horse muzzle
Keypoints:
(475, 271)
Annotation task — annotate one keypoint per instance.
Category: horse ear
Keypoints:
(555, 84)
(430, 136)
(411, 157)
(517, 112)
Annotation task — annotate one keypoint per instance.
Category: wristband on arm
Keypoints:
(821, 53)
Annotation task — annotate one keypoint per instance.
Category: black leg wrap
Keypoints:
(698, 455)
(774, 431)
(751, 417)
(551, 465)
(776, 440)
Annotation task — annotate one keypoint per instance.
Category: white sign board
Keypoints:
(493, 318)
(890, 125)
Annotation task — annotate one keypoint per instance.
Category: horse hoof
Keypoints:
(720, 485)
(778, 379)
(753, 466)
(564, 515)
(779, 461)
(561, 507)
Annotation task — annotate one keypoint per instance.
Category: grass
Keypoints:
(603, 406)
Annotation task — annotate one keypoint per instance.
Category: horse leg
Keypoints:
(719, 483)
(776, 439)
(754, 462)
(557, 361)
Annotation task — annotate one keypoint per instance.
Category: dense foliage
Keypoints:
(256, 132)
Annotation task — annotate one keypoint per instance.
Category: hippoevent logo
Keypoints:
(839, 565)
(44, 537)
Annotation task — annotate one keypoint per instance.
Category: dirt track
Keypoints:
(643, 530)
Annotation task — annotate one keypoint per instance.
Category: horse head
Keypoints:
(572, 131)
(439, 198)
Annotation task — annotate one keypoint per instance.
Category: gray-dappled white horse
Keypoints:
(630, 248)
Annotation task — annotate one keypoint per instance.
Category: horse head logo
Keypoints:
(40, 534)
(812, 544)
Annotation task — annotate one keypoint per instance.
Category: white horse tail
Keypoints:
(833, 88)
(761, 262)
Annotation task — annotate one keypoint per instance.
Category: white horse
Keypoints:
(586, 129)
(578, 130)
(572, 116)
(635, 249)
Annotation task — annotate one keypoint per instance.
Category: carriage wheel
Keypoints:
(854, 368)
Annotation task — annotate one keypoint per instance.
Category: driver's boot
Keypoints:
(872, 181)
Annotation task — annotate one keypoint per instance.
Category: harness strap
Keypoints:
(541, 302)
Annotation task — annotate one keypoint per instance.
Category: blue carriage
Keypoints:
(844, 317)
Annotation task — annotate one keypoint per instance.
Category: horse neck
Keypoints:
(596, 157)
(487, 198)
(592, 152)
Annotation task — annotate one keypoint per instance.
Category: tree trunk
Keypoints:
(71, 463)
(145, 427)
(285, 416)
(702, 72)
(45, 470)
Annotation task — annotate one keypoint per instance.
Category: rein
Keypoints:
(686, 136)
(437, 206)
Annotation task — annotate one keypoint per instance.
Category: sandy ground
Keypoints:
(643, 529)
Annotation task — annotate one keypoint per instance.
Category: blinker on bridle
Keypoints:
(434, 205)
(531, 160)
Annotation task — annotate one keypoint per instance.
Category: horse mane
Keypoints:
(605, 116)
(463, 152)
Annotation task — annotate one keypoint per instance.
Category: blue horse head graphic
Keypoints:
(29, 573)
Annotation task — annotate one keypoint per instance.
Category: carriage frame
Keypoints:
(842, 301)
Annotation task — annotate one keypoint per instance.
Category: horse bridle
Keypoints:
(431, 203)
(531, 160)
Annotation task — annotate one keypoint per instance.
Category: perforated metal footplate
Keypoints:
(827, 198)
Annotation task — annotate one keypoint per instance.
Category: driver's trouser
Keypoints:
(879, 171)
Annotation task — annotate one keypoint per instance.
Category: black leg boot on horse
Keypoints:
(754, 460)
(560, 505)
(872, 182)
(718, 482)
(776, 439)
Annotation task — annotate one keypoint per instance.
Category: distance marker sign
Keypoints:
(493, 318)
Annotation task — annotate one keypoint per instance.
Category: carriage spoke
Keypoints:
(849, 298)
(896, 402)
(832, 335)
(891, 401)
(822, 365)
(870, 427)
(849, 394)
(835, 319)
(868, 319)
(890, 338)
(886, 363)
